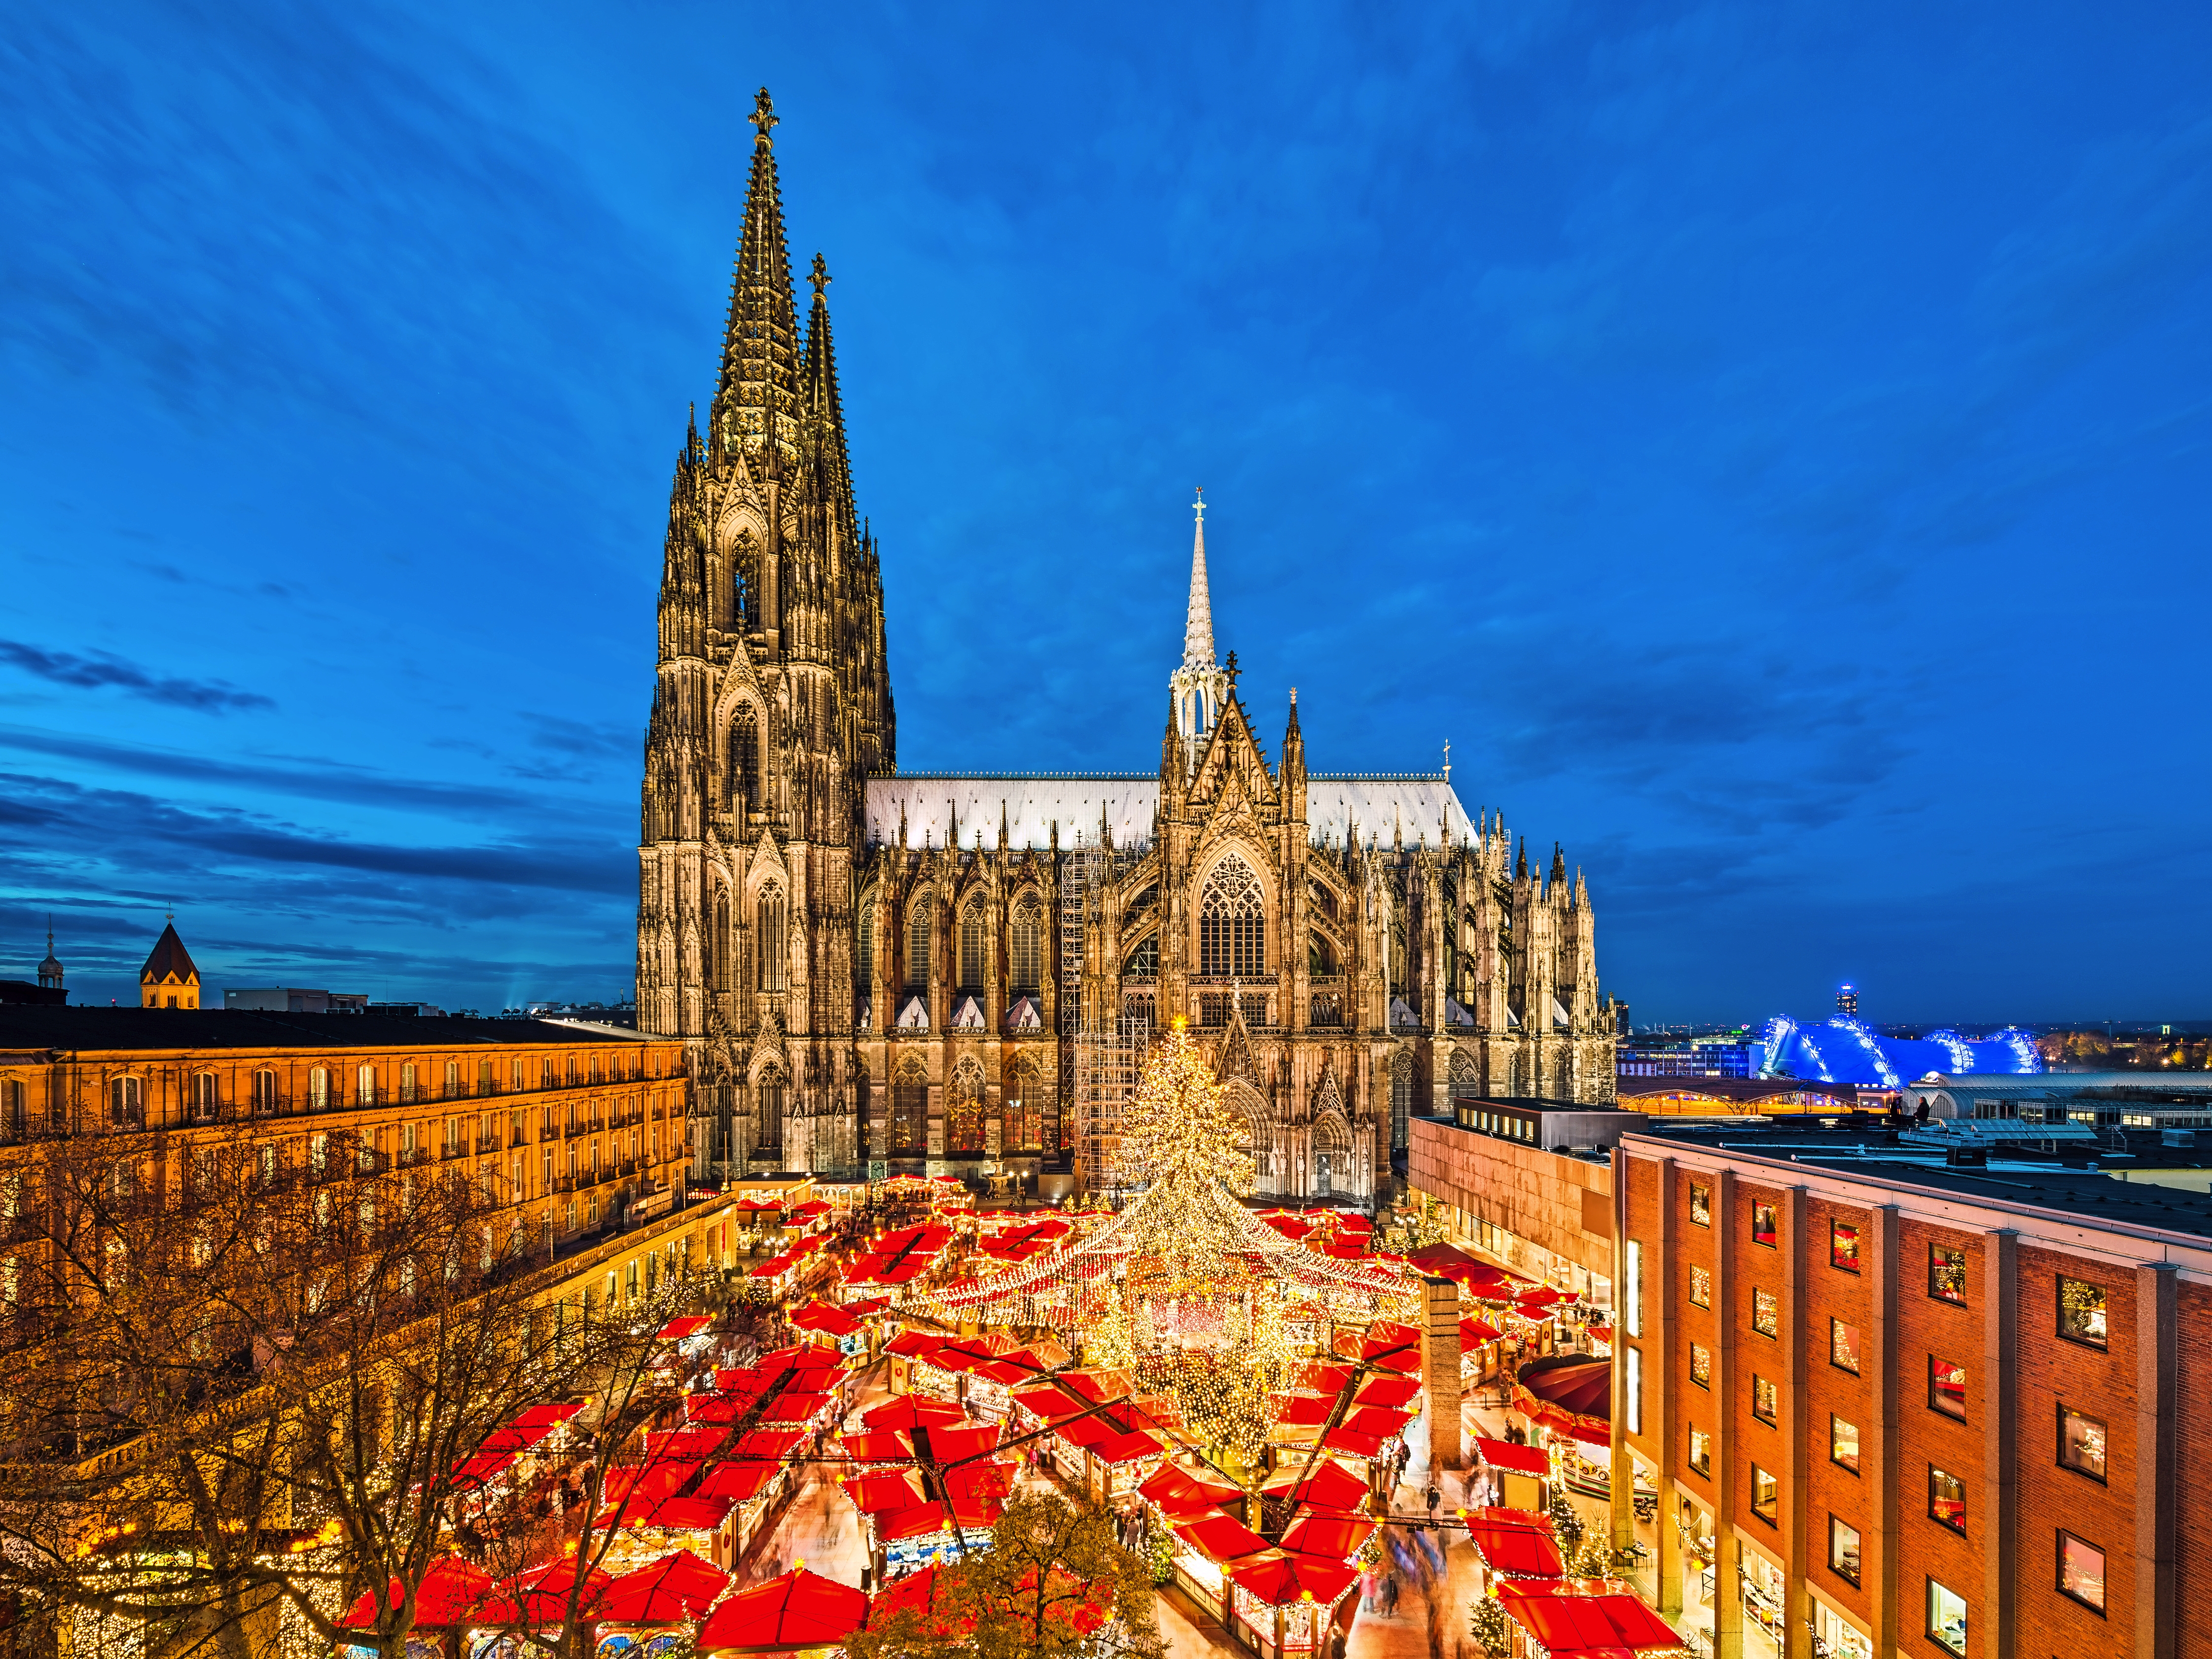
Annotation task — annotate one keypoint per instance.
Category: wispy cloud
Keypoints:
(102, 669)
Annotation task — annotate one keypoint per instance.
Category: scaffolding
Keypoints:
(1102, 1050)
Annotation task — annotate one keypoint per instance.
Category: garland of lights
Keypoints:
(1196, 1297)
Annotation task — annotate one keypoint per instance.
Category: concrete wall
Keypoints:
(1563, 1205)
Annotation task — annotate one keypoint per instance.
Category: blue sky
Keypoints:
(1769, 441)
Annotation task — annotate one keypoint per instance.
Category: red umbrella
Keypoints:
(1280, 1579)
(1331, 1486)
(909, 1411)
(677, 1586)
(1579, 1383)
(450, 1592)
(539, 1597)
(796, 1610)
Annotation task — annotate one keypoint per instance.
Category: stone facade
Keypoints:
(887, 971)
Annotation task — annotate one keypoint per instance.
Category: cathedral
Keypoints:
(883, 972)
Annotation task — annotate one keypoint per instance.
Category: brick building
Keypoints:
(581, 1127)
(1883, 1406)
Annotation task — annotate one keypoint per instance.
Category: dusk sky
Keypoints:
(1770, 442)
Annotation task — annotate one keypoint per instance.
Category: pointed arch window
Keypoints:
(910, 1110)
(768, 1131)
(1401, 1099)
(745, 762)
(1019, 1110)
(1026, 962)
(1144, 961)
(917, 944)
(1231, 930)
(964, 1116)
(864, 947)
(973, 970)
(773, 947)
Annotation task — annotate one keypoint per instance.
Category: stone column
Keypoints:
(2000, 1465)
(1440, 1372)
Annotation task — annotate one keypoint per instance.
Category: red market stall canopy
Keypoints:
(1568, 1621)
(1281, 1577)
(911, 1412)
(1509, 1454)
(825, 1318)
(1327, 1533)
(690, 1325)
(1221, 1538)
(1541, 1300)
(1571, 1393)
(473, 1471)
(1385, 1345)
(688, 1445)
(1474, 1329)
(1387, 1391)
(885, 1491)
(646, 1483)
(968, 1514)
(1510, 1543)
(540, 1597)
(451, 1592)
(737, 1482)
(798, 1609)
(1331, 1486)
(557, 1410)
(1181, 1496)
(677, 1586)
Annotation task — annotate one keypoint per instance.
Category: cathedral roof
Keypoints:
(1419, 808)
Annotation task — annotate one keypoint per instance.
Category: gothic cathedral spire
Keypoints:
(759, 389)
(1197, 686)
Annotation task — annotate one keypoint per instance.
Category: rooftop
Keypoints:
(152, 1029)
(2143, 1186)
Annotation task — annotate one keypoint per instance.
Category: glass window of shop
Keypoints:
(1693, 1525)
(1947, 1618)
(1761, 1585)
(1843, 1246)
(1837, 1637)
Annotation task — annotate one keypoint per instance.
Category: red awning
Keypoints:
(796, 1610)
(737, 1482)
(540, 1597)
(912, 1411)
(677, 1586)
(885, 1491)
(1387, 1391)
(1473, 1330)
(1581, 1383)
(825, 1318)
(1180, 1495)
(1506, 1455)
(1281, 1578)
(1330, 1484)
(690, 1325)
(1329, 1534)
(1221, 1538)
(885, 1446)
(1566, 1618)
(1516, 1549)
(450, 1593)
(558, 1411)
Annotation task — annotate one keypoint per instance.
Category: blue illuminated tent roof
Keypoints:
(1845, 1050)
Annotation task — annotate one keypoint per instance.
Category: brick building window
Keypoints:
(1701, 1365)
(2081, 1571)
(1701, 1205)
(1844, 1443)
(1843, 1550)
(2081, 1444)
(1631, 1289)
(1701, 1288)
(1947, 1274)
(1632, 1374)
(2080, 1312)
(1764, 1396)
(1844, 1346)
(1843, 1246)
(1946, 1500)
(1947, 1618)
(1766, 1313)
(1762, 1224)
(1765, 1495)
(1947, 1387)
(1701, 1451)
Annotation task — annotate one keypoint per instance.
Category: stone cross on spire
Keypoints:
(763, 116)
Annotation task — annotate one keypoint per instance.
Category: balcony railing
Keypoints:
(1214, 1000)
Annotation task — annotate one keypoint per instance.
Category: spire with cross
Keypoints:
(763, 116)
(1199, 685)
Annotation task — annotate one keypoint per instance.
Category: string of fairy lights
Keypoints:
(1209, 1308)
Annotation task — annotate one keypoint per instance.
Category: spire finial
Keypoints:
(1198, 505)
(763, 116)
(1446, 760)
(820, 277)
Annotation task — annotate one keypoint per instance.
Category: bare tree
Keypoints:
(247, 1390)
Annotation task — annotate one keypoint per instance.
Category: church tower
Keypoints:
(771, 706)
(1198, 686)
